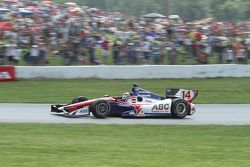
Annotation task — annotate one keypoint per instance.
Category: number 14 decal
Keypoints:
(186, 94)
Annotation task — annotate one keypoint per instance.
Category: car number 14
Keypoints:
(186, 95)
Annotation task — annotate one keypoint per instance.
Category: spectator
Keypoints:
(65, 53)
(202, 58)
(188, 45)
(219, 51)
(156, 53)
(229, 55)
(34, 53)
(131, 54)
(42, 54)
(92, 59)
(116, 53)
(172, 54)
(2, 54)
(247, 44)
(105, 50)
(17, 55)
(146, 49)
(241, 55)
(10, 52)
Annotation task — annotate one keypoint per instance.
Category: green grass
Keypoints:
(220, 90)
(37, 145)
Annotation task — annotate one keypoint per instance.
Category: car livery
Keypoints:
(139, 103)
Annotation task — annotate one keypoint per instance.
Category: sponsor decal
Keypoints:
(148, 101)
(84, 110)
(7, 73)
(81, 111)
(160, 107)
(140, 112)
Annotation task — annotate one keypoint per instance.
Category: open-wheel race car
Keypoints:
(177, 103)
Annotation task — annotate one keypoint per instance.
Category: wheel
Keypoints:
(78, 99)
(180, 108)
(100, 109)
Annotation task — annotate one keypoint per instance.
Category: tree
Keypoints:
(230, 11)
(224, 10)
(245, 10)
(191, 9)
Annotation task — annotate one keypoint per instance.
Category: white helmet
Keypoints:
(125, 95)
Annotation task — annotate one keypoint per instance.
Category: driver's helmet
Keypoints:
(125, 95)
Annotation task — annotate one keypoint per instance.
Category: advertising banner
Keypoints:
(7, 73)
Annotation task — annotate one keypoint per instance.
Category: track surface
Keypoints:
(207, 114)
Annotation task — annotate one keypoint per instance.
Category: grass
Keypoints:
(220, 90)
(38, 145)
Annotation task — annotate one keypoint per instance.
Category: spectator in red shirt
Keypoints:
(198, 35)
(105, 50)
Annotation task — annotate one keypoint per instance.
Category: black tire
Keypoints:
(100, 109)
(78, 99)
(180, 108)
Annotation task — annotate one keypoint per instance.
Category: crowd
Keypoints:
(34, 32)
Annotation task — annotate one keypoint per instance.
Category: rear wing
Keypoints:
(185, 94)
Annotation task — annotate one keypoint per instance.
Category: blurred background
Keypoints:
(93, 32)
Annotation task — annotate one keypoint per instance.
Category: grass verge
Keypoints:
(219, 90)
(39, 145)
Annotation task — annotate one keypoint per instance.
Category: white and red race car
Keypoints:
(177, 103)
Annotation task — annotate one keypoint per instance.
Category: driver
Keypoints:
(125, 95)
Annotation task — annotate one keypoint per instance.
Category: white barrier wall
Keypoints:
(133, 72)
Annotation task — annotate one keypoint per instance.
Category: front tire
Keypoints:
(180, 108)
(100, 109)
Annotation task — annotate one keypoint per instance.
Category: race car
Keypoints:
(139, 103)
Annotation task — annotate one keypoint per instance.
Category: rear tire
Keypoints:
(180, 108)
(78, 99)
(100, 109)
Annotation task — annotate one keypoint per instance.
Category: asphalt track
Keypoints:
(207, 114)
